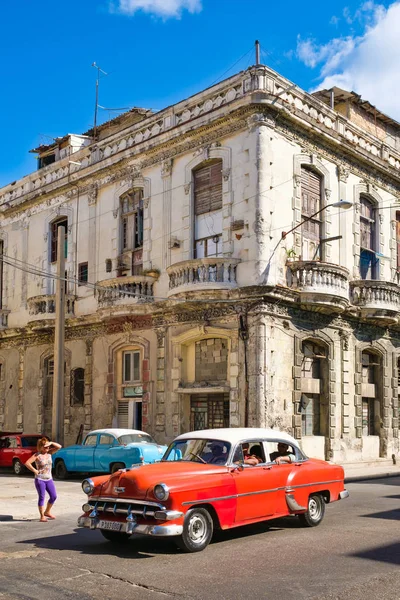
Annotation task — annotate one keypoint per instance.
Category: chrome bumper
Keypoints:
(344, 494)
(134, 528)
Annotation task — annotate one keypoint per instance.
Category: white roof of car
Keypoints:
(238, 434)
(118, 432)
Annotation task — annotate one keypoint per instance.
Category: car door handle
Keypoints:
(268, 468)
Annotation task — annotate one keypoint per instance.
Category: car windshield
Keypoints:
(136, 438)
(29, 441)
(202, 451)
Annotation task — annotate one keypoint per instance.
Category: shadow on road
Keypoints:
(387, 554)
(92, 542)
(386, 514)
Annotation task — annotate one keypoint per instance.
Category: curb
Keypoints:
(368, 476)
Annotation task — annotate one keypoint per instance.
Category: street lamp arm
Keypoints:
(345, 204)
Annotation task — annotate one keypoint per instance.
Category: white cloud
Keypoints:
(160, 8)
(367, 63)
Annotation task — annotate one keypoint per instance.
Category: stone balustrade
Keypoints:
(260, 79)
(44, 307)
(320, 284)
(125, 290)
(198, 273)
(378, 301)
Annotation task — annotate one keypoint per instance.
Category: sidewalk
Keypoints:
(364, 472)
(18, 498)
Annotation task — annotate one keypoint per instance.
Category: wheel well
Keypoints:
(212, 512)
(117, 462)
(16, 459)
(325, 494)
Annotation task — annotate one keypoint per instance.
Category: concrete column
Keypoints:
(259, 409)
(260, 125)
(88, 393)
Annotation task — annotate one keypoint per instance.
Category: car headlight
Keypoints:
(87, 486)
(161, 491)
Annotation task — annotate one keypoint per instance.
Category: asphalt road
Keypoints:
(354, 554)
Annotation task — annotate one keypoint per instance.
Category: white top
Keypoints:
(118, 432)
(239, 434)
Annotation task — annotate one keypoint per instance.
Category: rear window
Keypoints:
(29, 441)
(136, 438)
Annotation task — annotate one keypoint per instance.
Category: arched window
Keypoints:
(77, 387)
(207, 186)
(371, 376)
(314, 397)
(311, 202)
(368, 239)
(209, 410)
(131, 234)
(54, 228)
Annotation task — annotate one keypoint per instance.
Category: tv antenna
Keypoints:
(97, 98)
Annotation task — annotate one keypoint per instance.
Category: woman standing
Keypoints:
(43, 478)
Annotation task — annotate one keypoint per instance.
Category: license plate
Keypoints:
(113, 525)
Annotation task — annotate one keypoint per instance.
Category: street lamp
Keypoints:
(344, 204)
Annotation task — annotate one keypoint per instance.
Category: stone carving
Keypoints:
(92, 194)
(187, 188)
(166, 169)
(226, 174)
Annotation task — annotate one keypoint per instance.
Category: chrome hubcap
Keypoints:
(197, 529)
(17, 467)
(314, 509)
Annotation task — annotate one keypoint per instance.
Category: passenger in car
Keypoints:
(250, 458)
(283, 455)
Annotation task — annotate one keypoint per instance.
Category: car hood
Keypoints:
(139, 482)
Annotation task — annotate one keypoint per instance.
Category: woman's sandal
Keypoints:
(43, 520)
(49, 517)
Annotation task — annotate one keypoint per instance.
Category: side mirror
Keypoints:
(238, 466)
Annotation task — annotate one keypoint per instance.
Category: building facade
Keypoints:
(188, 305)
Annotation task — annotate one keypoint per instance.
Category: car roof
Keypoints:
(238, 434)
(118, 432)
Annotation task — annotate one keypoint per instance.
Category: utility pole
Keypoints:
(59, 337)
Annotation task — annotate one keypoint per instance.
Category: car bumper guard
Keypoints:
(132, 527)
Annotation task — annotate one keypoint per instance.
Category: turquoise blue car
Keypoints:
(107, 451)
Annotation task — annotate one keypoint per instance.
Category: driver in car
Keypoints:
(218, 454)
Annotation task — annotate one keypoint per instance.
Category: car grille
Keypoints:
(125, 507)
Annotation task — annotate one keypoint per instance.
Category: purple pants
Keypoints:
(42, 487)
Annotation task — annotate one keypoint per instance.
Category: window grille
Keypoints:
(209, 411)
(78, 387)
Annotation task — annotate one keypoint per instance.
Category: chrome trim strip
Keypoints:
(152, 530)
(344, 494)
(303, 485)
(285, 488)
(125, 501)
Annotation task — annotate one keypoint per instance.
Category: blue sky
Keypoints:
(158, 52)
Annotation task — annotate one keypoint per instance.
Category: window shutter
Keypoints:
(208, 188)
(123, 415)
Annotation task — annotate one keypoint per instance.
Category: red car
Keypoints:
(210, 479)
(16, 448)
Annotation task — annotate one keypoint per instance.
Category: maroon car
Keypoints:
(16, 448)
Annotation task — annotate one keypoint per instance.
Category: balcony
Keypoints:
(124, 290)
(377, 301)
(44, 307)
(323, 287)
(202, 274)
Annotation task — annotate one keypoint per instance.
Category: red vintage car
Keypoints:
(16, 448)
(205, 481)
